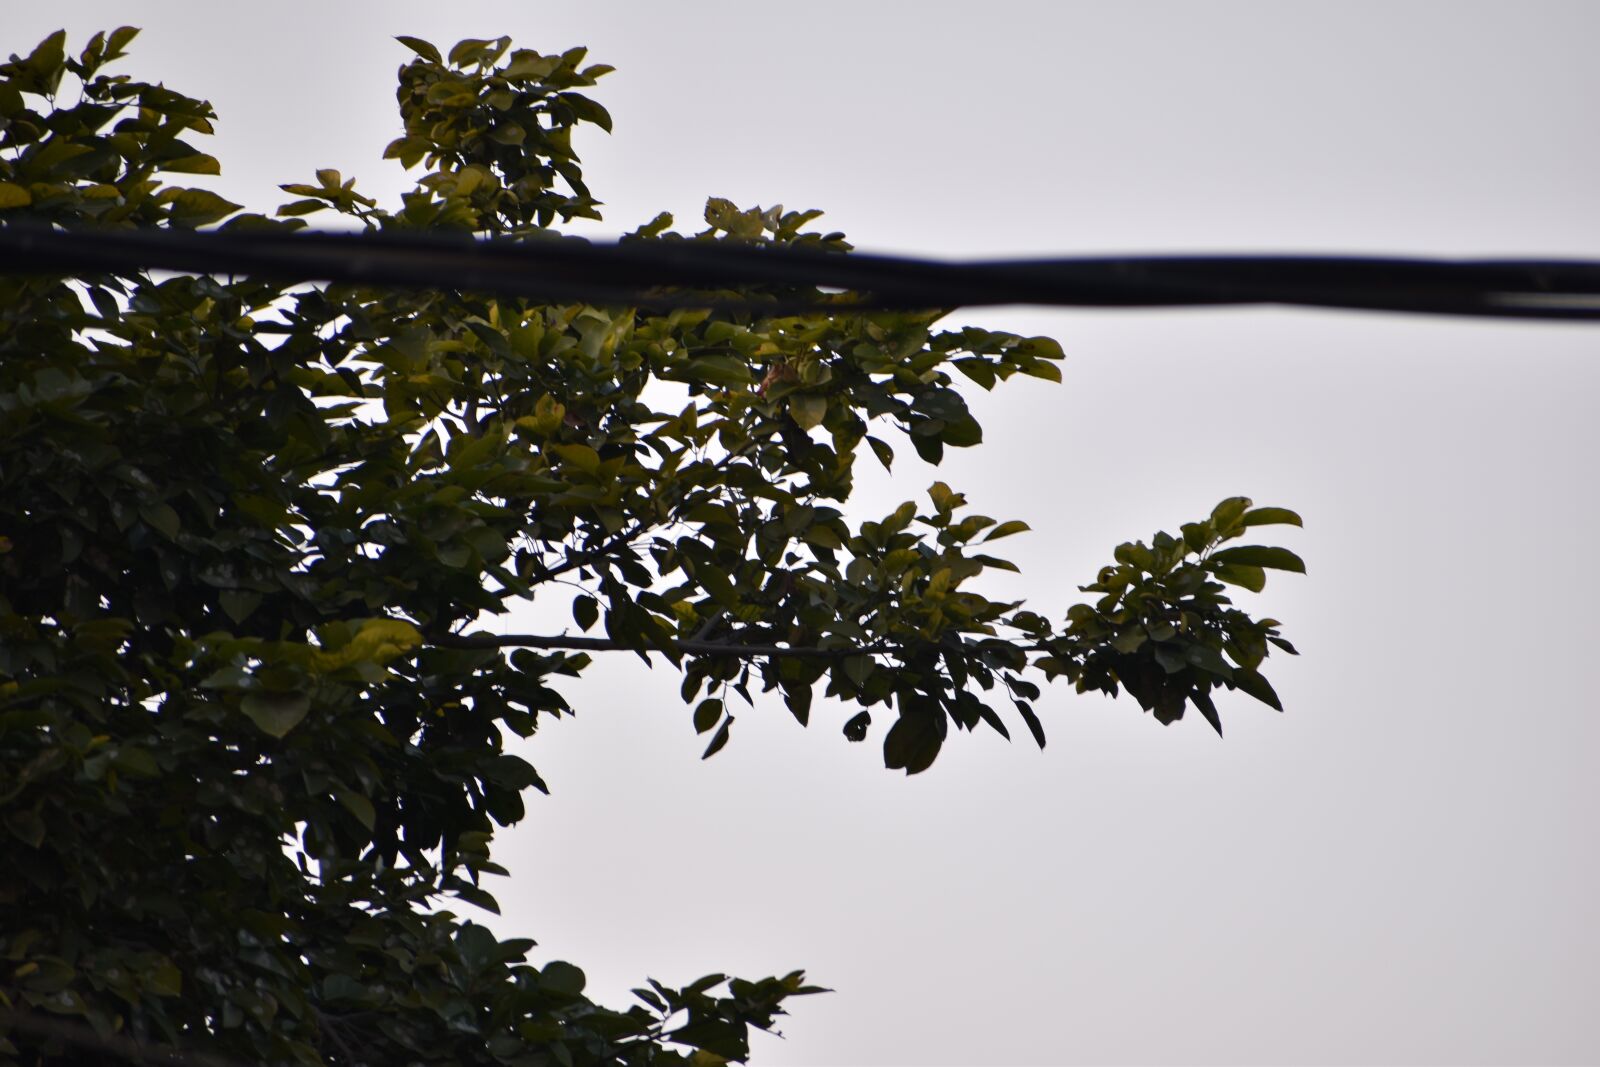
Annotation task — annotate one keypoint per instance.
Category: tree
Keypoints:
(250, 737)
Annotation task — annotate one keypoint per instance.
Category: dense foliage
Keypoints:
(249, 735)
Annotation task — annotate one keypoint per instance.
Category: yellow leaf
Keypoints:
(378, 641)
(807, 411)
(14, 195)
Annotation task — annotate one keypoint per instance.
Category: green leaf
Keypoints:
(882, 450)
(136, 762)
(1048, 371)
(585, 611)
(559, 976)
(164, 979)
(119, 39)
(718, 370)
(856, 728)
(360, 807)
(275, 713)
(707, 715)
(240, 604)
(199, 163)
(1042, 348)
(422, 48)
(1244, 575)
(162, 518)
(931, 449)
(196, 207)
(1227, 513)
(1280, 559)
(1208, 659)
(808, 409)
(913, 742)
(1197, 535)
(1270, 517)
(1035, 727)
(963, 432)
(1254, 684)
(1006, 529)
(1202, 700)
(719, 739)
(303, 207)
(976, 369)
(1128, 641)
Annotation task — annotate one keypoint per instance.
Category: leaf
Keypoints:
(14, 195)
(119, 39)
(1006, 529)
(987, 714)
(1244, 575)
(1208, 659)
(27, 827)
(275, 713)
(199, 163)
(1042, 348)
(162, 518)
(913, 742)
(585, 611)
(1270, 517)
(976, 369)
(707, 714)
(1035, 727)
(719, 739)
(302, 207)
(798, 699)
(808, 409)
(164, 979)
(1280, 559)
(1254, 684)
(1202, 700)
(196, 207)
(136, 762)
(1129, 640)
(856, 728)
(718, 1036)
(931, 449)
(360, 807)
(1197, 535)
(239, 603)
(421, 48)
(882, 450)
(466, 48)
(559, 976)
(717, 370)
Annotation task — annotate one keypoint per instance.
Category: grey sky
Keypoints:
(1400, 869)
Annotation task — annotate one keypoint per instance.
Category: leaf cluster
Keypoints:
(252, 730)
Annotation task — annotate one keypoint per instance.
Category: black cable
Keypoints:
(689, 273)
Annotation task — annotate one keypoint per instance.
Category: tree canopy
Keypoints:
(253, 730)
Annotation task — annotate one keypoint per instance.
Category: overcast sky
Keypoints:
(1402, 868)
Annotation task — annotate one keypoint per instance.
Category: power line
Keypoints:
(671, 273)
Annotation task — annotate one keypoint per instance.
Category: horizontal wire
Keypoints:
(684, 273)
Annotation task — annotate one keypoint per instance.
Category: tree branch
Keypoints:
(689, 647)
(586, 556)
